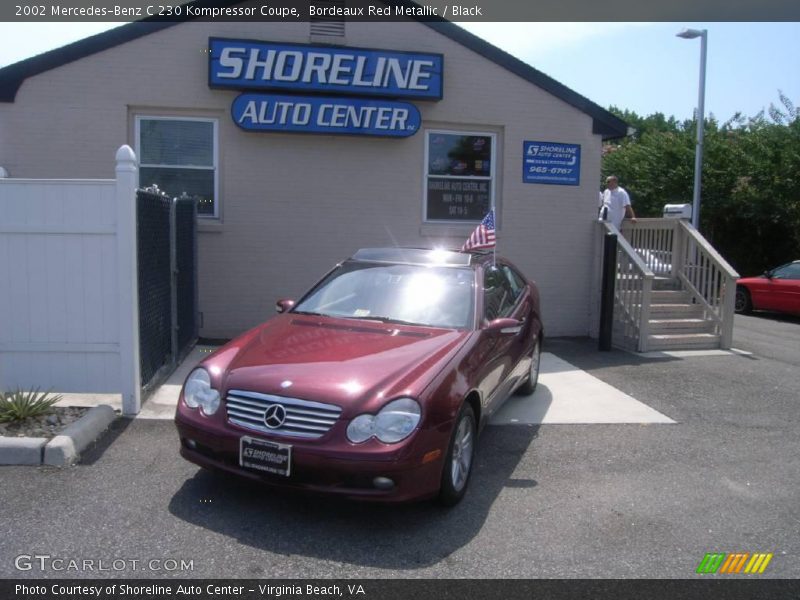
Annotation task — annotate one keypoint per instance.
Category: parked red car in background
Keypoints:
(375, 384)
(778, 290)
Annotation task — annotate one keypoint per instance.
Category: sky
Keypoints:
(641, 67)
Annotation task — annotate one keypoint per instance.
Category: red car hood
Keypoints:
(358, 365)
(746, 280)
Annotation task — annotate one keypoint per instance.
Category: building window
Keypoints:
(459, 175)
(179, 155)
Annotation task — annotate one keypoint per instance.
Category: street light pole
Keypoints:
(689, 34)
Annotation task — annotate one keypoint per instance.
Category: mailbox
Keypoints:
(678, 211)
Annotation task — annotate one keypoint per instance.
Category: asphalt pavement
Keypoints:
(560, 500)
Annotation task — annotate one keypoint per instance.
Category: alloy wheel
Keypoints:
(461, 461)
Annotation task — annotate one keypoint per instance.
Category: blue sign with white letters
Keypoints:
(329, 115)
(247, 64)
(551, 162)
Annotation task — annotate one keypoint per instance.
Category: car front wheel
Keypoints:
(743, 304)
(458, 464)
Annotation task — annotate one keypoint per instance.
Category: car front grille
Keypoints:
(303, 418)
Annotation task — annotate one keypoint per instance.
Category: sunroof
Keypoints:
(416, 256)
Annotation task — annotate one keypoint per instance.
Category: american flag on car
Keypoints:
(483, 236)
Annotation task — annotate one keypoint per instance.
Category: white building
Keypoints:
(441, 126)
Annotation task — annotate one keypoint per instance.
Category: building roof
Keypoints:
(12, 77)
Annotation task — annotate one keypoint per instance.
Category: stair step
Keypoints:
(683, 341)
(669, 297)
(666, 283)
(690, 325)
(677, 310)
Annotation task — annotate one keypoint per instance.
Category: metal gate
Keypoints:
(167, 257)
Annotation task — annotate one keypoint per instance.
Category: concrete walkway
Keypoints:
(566, 394)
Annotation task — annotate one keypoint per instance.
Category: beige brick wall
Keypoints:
(293, 205)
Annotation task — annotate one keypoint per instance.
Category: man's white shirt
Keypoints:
(616, 201)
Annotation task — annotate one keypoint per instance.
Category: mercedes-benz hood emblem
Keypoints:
(274, 416)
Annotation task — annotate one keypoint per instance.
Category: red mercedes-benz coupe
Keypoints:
(376, 383)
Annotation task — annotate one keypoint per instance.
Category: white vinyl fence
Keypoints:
(68, 284)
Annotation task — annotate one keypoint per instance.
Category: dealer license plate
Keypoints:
(265, 456)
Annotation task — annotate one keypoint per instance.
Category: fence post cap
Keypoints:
(125, 154)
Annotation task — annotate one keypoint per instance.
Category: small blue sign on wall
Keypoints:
(551, 162)
(316, 114)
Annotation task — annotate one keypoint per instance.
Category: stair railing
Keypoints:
(655, 242)
(632, 295)
(710, 280)
(673, 248)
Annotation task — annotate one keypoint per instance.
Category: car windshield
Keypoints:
(395, 293)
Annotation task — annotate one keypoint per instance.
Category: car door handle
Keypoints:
(516, 329)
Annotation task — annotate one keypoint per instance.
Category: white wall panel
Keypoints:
(59, 315)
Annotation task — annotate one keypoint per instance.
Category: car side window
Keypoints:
(498, 296)
(516, 282)
(791, 271)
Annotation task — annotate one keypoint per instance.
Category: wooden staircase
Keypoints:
(677, 323)
(673, 291)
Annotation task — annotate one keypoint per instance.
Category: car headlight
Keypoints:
(392, 424)
(198, 392)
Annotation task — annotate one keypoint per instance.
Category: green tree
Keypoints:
(750, 207)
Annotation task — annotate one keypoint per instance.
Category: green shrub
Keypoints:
(19, 405)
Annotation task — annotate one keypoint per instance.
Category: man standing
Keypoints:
(616, 203)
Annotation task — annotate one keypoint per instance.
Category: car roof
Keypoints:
(421, 256)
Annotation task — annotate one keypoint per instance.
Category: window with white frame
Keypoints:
(179, 155)
(459, 175)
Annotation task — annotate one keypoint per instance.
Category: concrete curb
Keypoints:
(21, 451)
(65, 448)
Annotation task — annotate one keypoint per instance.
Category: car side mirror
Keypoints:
(284, 305)
(504, 326)
(768, 274)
